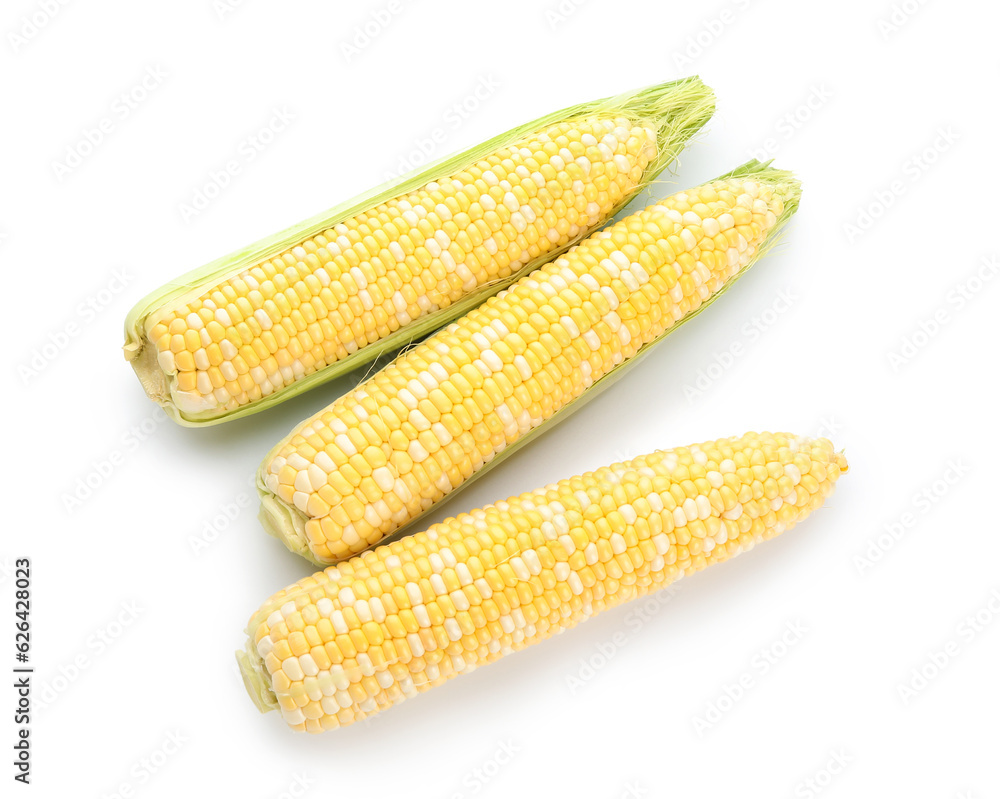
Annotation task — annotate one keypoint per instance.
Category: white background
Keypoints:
(822, 365)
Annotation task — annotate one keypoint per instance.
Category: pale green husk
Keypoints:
(287, 523)
(677, 109)
(256, 679)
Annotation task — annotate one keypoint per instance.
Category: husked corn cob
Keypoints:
(386, 625)
(269, 322)
(415, 431)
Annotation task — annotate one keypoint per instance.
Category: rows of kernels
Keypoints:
(402, 440)
(394, 621)
(356, 283)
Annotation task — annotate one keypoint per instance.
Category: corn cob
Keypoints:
(319, 299)
(382, 454)
(366, 634)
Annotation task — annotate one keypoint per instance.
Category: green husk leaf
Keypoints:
(256, 679)
(678, 109)
(287, 523)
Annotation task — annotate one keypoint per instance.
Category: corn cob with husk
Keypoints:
(446, 410)
(393, 622)
(319, 299)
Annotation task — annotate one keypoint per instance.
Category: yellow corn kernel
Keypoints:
(328, 295)
(507, 374)
(485, 583)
